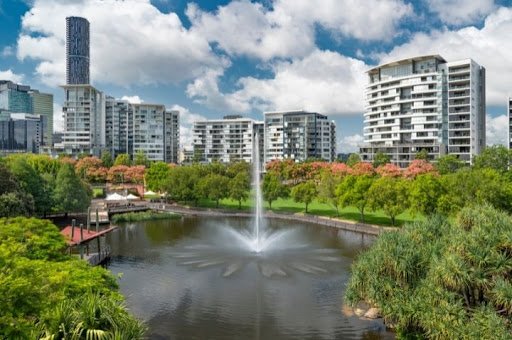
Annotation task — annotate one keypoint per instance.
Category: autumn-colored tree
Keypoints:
(363, 169)
(86, 163)
(116, 174)
(135, 174)
(389, 170)
(340, 169)
(419, 167)
(97, 175)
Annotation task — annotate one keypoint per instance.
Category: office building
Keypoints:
(174, 135)
(299, 135)
(14, 98)
(425, 103)
(84, 119)
(77, 51)
(226, 140)
(22, 132)
(42, 104)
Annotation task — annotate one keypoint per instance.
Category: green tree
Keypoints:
(353, 191)
(353, 159)
(474, 186)
(272, 188)
(440, 280)
(71, 194)
(391, 195)
(106, 159)
(239, 187)
(140, 158)
(381, 159)
(448, 164)
(33, 184)
(422, 154)
(304, 192)
(214, 187)
(123, 159)
(48, 294)
(424, 194)
(326, 189)
(496, 157)
(157, 175)
(182, 183)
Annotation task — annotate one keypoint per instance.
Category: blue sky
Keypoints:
(211, 58)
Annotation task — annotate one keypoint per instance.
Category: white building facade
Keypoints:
(299, 135)
(226, 140)
(84, 119)
(425, 103)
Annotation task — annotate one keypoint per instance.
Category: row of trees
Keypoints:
(38, 185)
(45, 293)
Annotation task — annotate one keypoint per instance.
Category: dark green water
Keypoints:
(192, 278)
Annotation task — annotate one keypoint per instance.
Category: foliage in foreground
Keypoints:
(439, 280)
(143, 216)
(45, 293)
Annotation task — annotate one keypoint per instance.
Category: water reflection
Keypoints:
(188, 283)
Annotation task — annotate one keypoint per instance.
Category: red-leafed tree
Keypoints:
(97, 175)
(117, 174)
(363, 168)
(340, 169)
(419, 167)
(86, 163)
(389, 170)
(135, 174)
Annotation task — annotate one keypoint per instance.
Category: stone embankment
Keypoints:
(364, 228)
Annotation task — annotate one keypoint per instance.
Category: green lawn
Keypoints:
(316, 208)
(97, 192)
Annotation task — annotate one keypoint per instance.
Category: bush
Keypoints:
(442, 280)
(143, 216)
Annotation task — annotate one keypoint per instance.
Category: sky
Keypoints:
(211, 58)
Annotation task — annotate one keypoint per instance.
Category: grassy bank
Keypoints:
(143, 216)
(316, 208)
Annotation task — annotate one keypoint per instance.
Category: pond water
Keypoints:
(192, 278)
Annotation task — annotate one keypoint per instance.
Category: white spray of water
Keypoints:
(258, 223)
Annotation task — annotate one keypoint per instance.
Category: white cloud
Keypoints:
(187, 120)
(496, 129)
(7, 51)
(131, 42)
(58, 118)
(323, 81)
(10, 75)
(350, 144)
(133, 99)
(288, 29)
(459, 12)
(489, 46)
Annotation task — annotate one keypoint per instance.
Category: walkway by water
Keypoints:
(364, 228)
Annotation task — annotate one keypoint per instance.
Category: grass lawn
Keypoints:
(97, 192)
(316, 208)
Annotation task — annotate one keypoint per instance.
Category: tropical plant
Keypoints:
(441, 280)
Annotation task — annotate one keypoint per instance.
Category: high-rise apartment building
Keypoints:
(299, 135)
(84, 119)
(226, 140)
(118, 126)
(173, 135)
(153, 132)
(425, 103)
(77, 51)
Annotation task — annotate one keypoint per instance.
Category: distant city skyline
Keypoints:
(211, 58)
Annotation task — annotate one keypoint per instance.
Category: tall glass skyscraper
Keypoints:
(77, 51)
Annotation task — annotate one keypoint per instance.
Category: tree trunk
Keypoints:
(239, 204)
(362, 215)
(393, 221)
(337, 211)
(270, 204)
(217, 203)
(306, 208)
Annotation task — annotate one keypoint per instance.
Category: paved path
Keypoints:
(369, 229)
